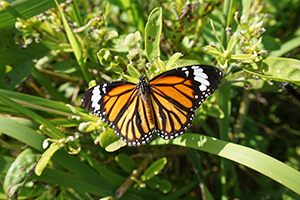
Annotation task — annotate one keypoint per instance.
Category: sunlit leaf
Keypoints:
(153, 33)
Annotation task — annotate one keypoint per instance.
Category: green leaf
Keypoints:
(130, 40)
(173, 60)
(114, 146)
(107, 137)
(153, 33)
(233, 40)
(110, 141)
(105, 57)
(243, 56)
(55, 133)
(21, 133)
(118, 44)
(133, 72)
(118, 64)
(165, 186)
(46, 157)
(23, 9)
(125, 162)
(154, 169)
(286, 47)
(5, 163)
(278, 69)
(17, 67)
(153, 182)
(39, 103)
(212, 51)
(18, 173)
(87, 184)
(246, 156)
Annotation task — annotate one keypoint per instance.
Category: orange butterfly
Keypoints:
(165, 104)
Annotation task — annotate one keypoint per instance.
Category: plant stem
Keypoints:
(225, 105)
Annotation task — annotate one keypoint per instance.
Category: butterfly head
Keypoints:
(143, 87)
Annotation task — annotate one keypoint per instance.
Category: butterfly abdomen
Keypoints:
(144, 91)
(149, 113)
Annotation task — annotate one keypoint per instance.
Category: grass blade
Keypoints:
(246, 156)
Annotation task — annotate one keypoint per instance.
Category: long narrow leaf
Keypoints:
(251, 158)
(81, 184)
(55, 132)
(39, 103)
(75, 46)
(24, 9)
(21, 133)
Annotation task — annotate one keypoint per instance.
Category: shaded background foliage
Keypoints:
(39, 59)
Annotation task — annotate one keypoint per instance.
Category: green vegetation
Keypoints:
(51, 53)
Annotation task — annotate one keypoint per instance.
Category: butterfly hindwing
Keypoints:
(119, 105)
(177, 93)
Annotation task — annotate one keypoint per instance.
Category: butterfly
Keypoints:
(165, 104)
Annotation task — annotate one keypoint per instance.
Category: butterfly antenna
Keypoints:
(147, 65)
(153, 60)
(132, 71)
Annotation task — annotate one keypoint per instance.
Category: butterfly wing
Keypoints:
(119, 105)
(175, 95)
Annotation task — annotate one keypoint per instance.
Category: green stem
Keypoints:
(238, 127)
(225, 105)
(225, 20)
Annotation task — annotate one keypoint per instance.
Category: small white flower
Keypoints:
(46, 143)
(70, 138)
(261, 30)
(76, 135)
(50, 17)
(243, 32)
(259, 25)
(243, 19)
(157, 70)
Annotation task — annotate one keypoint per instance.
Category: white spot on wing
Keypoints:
(199, 72)
(202, 87)
(96, 98)
(201, 77)
(187, 73)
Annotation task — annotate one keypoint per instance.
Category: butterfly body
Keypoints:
(144, 90)
(165, 104)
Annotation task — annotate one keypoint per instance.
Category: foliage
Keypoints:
(56, 150)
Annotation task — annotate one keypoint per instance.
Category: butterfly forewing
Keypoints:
(119, 105)
(177, 93)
